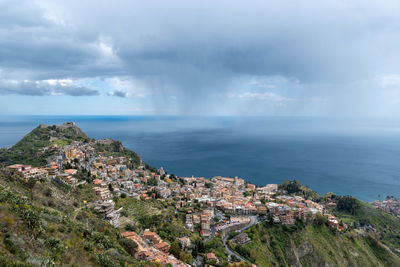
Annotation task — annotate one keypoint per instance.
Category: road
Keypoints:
(220, 215)
(198, 262)
(253, 221)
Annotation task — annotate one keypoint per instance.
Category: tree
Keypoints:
(321, 219)
(247, 194)
(30, 184)
(129, 245)
(198, 247)
(110, 188)
(270, 219)
(291, 187)
(175, 249)
(348, 204)
(48, 192)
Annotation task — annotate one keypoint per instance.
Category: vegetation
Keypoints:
(359, 214)
(34, 233)
(28, 149)
(115, 148)
(312, 245)
(295, 187)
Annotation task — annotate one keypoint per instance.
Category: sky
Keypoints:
(216, 58)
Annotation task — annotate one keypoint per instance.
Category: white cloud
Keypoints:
(260, 84)
(389, 80)
(126, 87)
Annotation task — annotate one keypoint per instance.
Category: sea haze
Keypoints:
(347, 157)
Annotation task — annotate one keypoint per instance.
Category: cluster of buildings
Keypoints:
(197, 197)
(29, 172)
(235, 197)
(151, 248)
(390, 204)
(50, 170)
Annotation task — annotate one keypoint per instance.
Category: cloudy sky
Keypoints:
(287, 58)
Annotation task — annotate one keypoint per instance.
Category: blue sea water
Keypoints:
(355, 157)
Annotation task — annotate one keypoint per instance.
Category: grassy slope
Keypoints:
(311, 245)
(40, 233)
(386, 224)
(158, 216)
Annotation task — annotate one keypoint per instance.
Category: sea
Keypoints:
(359, 157)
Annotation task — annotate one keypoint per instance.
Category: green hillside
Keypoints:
(29, 149)
(55, 228)
(313, 245)
(372, 238)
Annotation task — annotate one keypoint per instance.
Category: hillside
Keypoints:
(56, 218)
(54, 228)
(30, 148)
(313, 245)
(372, 237)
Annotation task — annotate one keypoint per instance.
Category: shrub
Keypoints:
(9, 221)
(321, 219)
(243, 250)
(9, 244)
(48, 192)
(130, 227)
(105, 261)
(129, 245)
(102, 240)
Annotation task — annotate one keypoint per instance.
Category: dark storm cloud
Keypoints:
(196, 51)
(308, 40)
(118, 94)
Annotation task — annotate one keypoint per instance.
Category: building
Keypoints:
(211, 257)
(242, 238)
(205, 224)
(163, 246)
(158, 243)
(68, 179)
(189, 222)
(184, 241)
(71, 171)
(103, 193)
(29, 172)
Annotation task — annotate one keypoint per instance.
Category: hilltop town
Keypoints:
(215, 208)
(218, 205)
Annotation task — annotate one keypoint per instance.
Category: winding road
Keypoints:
(253, 221)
